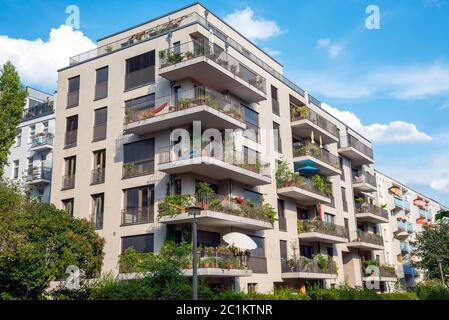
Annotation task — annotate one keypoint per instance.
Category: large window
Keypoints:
(139, 205)
(98, 172)
(97, 210)
(138, 158)
(100, 124)
(344, 198)
(135, 108)
(274, 100)
(277, 137)
(252, 196)
(306, 251)
(141, 243)
(69, 176)
(73, 92)
(71, 133)
(281, 215)
(101, 85)
(252, 123)
(68, 205)
(140, 70)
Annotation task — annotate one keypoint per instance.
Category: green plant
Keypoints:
(174, 205)
(205, 189)
(188, 54)
(322, 185)
(322, 261)
(432, 290)
(301, 111)
(108, 48)
(359, 200)
(130, 169)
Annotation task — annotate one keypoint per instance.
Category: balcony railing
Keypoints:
(42, 140)
(308, 148)
(233, 157)
(371, 208)
(139, 77)
(39, 173)
(405, 226)
(233, 205)
(138, 215)
(353, 142)
(364, 177)
(319, 226)
(39, 110)
(68, 182)
(99, 132)
(368, 237)
(73, 99)
(409, 269)
(71, 138)
(197, 48)
(138, 168)
(220, 258)
(295, 180)
(385, 271)
(97, 220)
(305, 113)
(306, 265)
(186, 99)
(101, 90)
(402, 203)
(97, 176)
(404, 246)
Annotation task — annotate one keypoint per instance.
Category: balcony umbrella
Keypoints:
(240, 241)
(308, 170)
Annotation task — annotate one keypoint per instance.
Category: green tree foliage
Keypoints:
(432, 245)
(38, 242)
(12, 104)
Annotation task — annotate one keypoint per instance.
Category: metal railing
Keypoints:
(101, 90)
(305, 113)
(99, 131)
(404, 246)
(232, 157)
(305, 184)
(369, 237)
(307, 148)
(139, 78)
(39, 110)
(97, 220)
(97, 176)
(42, 140)
(138, 168)
(68, 182)
(307, 265)
(138, 215)
(39, 173)
(319, 226)
(405, 226)
(219, 258)
(353, 142)
(186, 99)
(71, 138)
(384, 271)
(401, 203)
(257, 264)
(73, 99)
(365, 177)
(371, 208)
(197, 48)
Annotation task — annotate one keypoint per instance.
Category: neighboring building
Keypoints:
(30, 158)
(115, 161)
(409, 212)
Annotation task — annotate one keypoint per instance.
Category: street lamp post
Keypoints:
(194, 211)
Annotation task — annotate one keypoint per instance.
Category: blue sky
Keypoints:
(391, 84)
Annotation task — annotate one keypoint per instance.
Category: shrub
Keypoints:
(399, 296)
(432, 290)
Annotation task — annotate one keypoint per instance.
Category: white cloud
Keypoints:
(255, 28)
(37, 61)
(403, 83)
(393, 132)
(333, 49)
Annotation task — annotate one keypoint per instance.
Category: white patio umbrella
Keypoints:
(240, 240)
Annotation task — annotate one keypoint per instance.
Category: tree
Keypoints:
(38, 242)
(12, 104)
(432, 245)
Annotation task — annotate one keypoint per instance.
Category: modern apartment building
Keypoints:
(30, 159)
(119, 155)
(409, 211)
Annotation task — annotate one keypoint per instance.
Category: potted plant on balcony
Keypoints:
(301, 111)
(108, 48)
(322, 185)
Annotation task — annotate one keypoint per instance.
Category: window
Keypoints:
(177, 47)
(45, 127)
(302, 214)
(342, 176)
(101, 85)
(345, 202)
(68, 205)
(177, 187)
(281, 215)
(252, 287)
(252, 123)
(176, 92)
(140, 70)
(100, 123)
(277, 137)
(19, 138)
(306, 251)
(70, 170)
(73, 92)
(252, 196)
(139, 205)
(260, 250)
(141, 243)
(138, 158)
(274, 100)
(208, 238)
(32, 133)
(15, 170)
(283, 247)
(98, 172)
(330, 251)
(71, 133)
(30, 165)
(329, 218)
(135, 107)
(97, 210)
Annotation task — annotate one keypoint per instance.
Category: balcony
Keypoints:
(401, 204)
(367, 212)
(357, 151)
(219, 164)
(97, 176)
(39, 175)
(310, 154)
(305, 121)
(304, 190)
(213, 109)
(366, 241)
(423, 213)
(68, 182)
(405, 226)
(131, 216)
(138, 168)
(320, 231)
(385, 272)
(42, 143)
(217, 211)
(40, 110)
(221, 71)
(365, 182)
(404, 246)
(305, 268)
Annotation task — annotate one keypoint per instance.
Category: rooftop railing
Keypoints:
(353, 142)
(39, 110)
(307, 148)
(42, 140)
